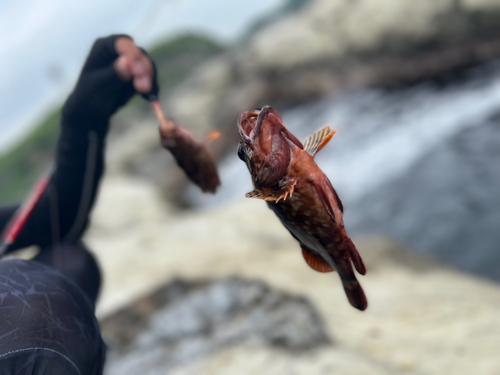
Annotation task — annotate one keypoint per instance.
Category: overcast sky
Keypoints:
(43, 43)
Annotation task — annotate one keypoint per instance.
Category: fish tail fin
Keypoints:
(355, 293)
(352, 288)
(355, 257)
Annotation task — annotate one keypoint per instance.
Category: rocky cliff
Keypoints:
(225, 290)
(332, 45)
(172, 305)
(327, 47)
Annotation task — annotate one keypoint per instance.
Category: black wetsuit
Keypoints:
(47, 321)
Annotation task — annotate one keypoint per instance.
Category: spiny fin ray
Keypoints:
(315, 142)
(255, 194)
(273, 196)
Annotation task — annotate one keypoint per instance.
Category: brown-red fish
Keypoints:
(192, 156)
(286, 176)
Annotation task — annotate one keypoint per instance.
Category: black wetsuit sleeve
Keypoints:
(62, 212)
(6, 214)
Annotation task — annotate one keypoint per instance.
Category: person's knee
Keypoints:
(76, 263)
(46, 319)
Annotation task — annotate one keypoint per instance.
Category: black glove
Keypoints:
(99, 91)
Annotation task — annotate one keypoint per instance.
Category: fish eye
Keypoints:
(241, 153)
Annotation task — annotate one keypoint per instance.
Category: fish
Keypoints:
(192, 156)
(286, 177)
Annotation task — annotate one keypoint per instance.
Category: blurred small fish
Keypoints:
(286, 176)
(192, 156)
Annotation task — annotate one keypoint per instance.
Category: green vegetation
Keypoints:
(289, 6)
(182, 45)
(22, 165)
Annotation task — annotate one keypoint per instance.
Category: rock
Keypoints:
(421, 318)
(447, 203)
(326, 47)
(333, 45)
(417, 164)
(184, 321)
(250, 360)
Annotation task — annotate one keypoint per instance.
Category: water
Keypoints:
(395, 152)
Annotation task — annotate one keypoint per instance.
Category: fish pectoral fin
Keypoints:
(271, 195)
(259, 194)
(315, 142)
(255, 194)
(315, 261)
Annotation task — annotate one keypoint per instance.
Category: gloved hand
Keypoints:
(114, 71)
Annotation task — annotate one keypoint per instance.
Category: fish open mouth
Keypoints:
(253, 119)
(247, 121)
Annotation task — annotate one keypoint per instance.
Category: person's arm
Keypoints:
(6, 214)
(114, 71)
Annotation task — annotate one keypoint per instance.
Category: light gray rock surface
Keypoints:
(185, 321)
(335, 44)
(325, 47)
(422, 318)
(448, 203)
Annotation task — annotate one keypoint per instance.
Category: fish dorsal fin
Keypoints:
(315, 142)
(315, 261)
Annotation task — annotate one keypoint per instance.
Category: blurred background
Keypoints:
(199, 284)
